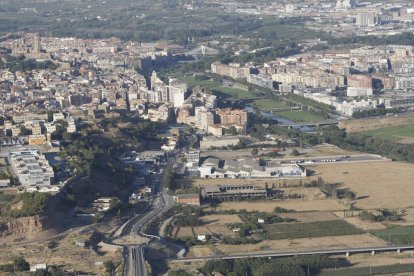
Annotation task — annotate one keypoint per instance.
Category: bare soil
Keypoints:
(376, 184)
(297, 205)
(289, 245)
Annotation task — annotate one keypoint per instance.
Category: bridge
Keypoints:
(345, 251)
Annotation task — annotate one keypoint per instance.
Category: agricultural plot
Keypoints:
(309, 230)
(401, 235)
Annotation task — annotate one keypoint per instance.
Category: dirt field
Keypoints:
(212, 224)
(366, 260)
(375, 123)
(289, 245)
(65, 253)
(377, 184)
(297, 205)
(362, 224)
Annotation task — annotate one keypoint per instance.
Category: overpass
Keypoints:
(339, 251)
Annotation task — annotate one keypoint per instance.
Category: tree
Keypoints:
(255, 152)
(20, 264)
(109, 267)
(295, 152)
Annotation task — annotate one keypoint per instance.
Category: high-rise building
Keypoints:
(366, 19)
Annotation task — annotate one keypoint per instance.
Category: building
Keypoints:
(31, 168)
(204, 118)
(359, 92)
(218, 142)
(35, 140)
(232, 192)
(233, 117)
(359, 86)
(28, 117)
(366, 19)
(71, 126)
(233, 70)
(399, 102)
(193, 157)
(262, 81)
(189, 199)
(58, 116)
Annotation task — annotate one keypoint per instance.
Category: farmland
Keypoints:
(389, 187)
(309, 230)
(397, 234)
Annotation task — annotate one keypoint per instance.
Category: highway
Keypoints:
(134, 263)
(345, 251)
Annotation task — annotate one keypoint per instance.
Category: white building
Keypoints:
(359, 92)
(31, 167)
(58, 116)
(366, 19)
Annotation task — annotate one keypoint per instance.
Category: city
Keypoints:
(206, 137)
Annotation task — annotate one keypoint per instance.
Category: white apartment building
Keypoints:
(31, 167)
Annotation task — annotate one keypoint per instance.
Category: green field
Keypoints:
(395, 133)
(264, 104)
(299, 116)
(309, 230)
(397, 234)
(220, 91)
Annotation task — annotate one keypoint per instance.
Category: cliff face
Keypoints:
(18, 229)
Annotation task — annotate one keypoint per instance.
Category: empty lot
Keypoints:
(377, 184)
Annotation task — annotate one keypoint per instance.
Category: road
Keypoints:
(338, 251)
(134, 263)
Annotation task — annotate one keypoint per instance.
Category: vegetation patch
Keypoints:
(309, 230)
(397, 234)
(395, 133)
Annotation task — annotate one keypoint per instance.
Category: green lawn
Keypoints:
(394, 133)
(397, 234)
(299, 116)
(264, 104)
(220, 91)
